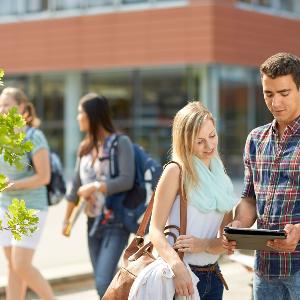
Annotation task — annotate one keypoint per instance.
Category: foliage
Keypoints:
(1, 76)
(20, 220)
(12, 144)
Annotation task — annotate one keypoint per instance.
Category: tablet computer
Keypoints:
(253, 239)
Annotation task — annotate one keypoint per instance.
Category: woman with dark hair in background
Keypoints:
(29, 184)
(92, 181)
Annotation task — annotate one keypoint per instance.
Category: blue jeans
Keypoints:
(279, 289)
(210, 287)
(105, 251)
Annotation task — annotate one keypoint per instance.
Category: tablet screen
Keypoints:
(253, 239)
(257, 232)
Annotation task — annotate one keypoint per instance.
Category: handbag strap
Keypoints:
(183, 208)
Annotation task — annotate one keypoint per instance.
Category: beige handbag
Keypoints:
(138, 254)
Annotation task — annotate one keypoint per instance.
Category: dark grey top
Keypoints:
(86, 172)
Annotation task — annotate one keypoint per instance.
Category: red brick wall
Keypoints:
(199, 33)
(248, 38)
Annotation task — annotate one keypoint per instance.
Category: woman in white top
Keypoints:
(210, 201)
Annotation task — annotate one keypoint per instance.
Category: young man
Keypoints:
(272, 181)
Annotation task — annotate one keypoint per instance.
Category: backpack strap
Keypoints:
(29, 134)
(183, 210)
(113, 157)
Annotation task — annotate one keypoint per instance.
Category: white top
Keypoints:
(156, 282)
(200, 225)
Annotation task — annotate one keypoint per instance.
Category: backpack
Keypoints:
(56, 188)
(147, 174)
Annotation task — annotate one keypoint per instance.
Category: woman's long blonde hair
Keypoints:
(186, 125)
(29, 113)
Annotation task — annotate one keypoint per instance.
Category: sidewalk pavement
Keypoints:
(84, 295)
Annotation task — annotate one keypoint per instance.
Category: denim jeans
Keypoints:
(210, 287)
(279, 289)
(105, 252)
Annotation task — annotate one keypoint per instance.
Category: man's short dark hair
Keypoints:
(282, 64)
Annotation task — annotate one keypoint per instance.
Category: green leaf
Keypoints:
(1, 76)
(12, 145)
(3, 182)
(21, 221)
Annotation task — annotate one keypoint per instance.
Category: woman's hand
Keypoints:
(91, 199)
(11, 186)
(182, 280)
(86, 190)
(230, 246)
(66, 224)
(190, 244)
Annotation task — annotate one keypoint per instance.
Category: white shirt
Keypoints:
(200, 225)
(156, 282)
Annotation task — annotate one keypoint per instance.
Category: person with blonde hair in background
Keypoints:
(29, 184)
(210, 199)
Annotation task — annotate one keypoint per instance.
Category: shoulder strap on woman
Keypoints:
(183, 208)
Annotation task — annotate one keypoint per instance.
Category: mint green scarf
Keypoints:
(215, 189)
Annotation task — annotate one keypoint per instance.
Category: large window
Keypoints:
(14, 7)
(97, 3)
(8, 7)
(118, 88)
(233, 125)
(276, 5)
(26, 8)
(241, 109)
(47, 93)
(163, 93)
(143, 103)
(67, 4)
(133, 1)
(263, 116)
(33, 6)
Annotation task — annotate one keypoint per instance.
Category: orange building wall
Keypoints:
(198, 33)
(248, 38)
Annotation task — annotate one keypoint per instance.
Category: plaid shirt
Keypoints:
(272, 177)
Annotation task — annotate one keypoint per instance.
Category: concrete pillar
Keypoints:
(209, 89)
(73, 92)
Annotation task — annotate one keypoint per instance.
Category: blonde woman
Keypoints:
(210, 201)
(28, 184)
